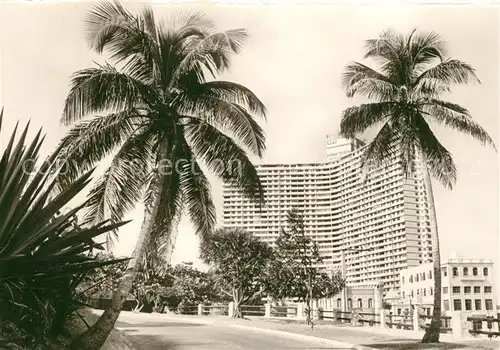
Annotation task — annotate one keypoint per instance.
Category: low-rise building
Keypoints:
(466, 286)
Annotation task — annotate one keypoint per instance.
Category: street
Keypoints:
(167, 333)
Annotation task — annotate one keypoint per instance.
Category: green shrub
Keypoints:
(44, 254)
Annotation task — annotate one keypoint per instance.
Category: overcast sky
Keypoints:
(293, 62)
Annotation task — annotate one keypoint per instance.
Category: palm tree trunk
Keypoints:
(95, 336)
(432, 333)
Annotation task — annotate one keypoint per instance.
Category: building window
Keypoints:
(477, 325)
(487, 289)
(468, 304)
(425, 292)
(349, 304)
(445, 290)
(411, 279)
(477, 304)
(423, 276)
(416, 277)
(457, 305)
(456, 290)
(474, 271)
(360, 303)
(485, 271)
(431, 291)
(445, 272)
(339, 303)
(489, 304)
(399, 311)
(467, 290)
(466, 271)
(477, 290)
(455, 272)
(446, 304)
(370, 303)
(403, 295)
(430, 274)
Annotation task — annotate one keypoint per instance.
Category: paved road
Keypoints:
(153, 333)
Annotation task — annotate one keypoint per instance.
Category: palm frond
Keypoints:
(457, 118)
(212, 52)
(90, 141)
(169, 196)
(386, 48)
(425, 47)
(382, 150)
(359, 79)
(438, 159)
(224, 114)
(103, 89)
(196, 194)
(440, 77)
(122, 185)
(356, 120)
(225, 158)
(231, 92)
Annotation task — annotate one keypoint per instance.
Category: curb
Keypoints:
(297, 336)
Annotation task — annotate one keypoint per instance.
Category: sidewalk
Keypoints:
(361, 337)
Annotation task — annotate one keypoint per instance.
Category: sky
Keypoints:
(293, 61)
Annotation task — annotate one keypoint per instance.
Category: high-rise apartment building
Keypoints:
(386, 216)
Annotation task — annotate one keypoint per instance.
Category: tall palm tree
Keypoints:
(413, 72)
(163, 113)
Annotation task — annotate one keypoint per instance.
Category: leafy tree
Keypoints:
(190, 286)
(406, 91)
(102, 281)
(239, 261)
(294, 272)
(167, 287)
(163, 116)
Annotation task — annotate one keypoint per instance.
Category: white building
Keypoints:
(466, 286)
(388, 214)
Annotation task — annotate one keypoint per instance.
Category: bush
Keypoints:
(44, 253)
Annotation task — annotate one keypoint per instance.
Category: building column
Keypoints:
(230, 309)
(378, 303)
(268, 310)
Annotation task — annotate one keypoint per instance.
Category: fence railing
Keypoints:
(253, 310)
(400, 321)
(487, 325)
(489, 330)
(214, 310)
(369, 318)
(284, 311)
(445, 323)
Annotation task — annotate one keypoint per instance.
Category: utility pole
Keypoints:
(343, 271)
(344, 290)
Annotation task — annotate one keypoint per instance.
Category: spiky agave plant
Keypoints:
(43, 254)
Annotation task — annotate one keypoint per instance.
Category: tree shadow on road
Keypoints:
(414, 345)
(121, 324)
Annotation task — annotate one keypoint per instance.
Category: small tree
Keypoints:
(239, 261)
(294, 272)
(190, 286)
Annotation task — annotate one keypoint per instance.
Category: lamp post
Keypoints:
(343, 271)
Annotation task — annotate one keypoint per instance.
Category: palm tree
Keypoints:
(163, 113)
(413, 74)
